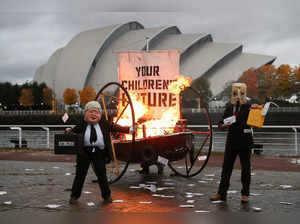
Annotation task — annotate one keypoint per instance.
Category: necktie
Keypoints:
(93, 137)
(237, 108)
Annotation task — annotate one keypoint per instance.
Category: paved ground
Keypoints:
(29, 188)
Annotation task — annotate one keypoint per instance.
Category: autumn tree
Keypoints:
(250, 78)
(87, 94)
(284, 75)
(26, 99)
(70, 96)
(266, 82)
(296, 80)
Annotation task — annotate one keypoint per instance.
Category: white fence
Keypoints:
(276, 140)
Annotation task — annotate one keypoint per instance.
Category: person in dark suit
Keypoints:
(238, 143)
(96, 149)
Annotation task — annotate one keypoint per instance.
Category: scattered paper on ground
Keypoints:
(285, 203)
(87, 192)
(209, 175)
(201, 211)
(53, 206)
(256, 209)
(134, 187)
(186, 206)
(91, 204)
(145, 202)
(190, 201)
(285, 186)
(3, 192)
(201, 158)
(164, 188)
(255, 194)
(266, 185)
(202, 181)
(217, 202)
(117, 201)
(7, 202)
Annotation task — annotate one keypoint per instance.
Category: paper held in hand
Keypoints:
(230, 120)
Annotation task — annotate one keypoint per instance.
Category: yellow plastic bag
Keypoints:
(255, 117)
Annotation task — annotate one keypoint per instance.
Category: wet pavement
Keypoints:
(44, 188)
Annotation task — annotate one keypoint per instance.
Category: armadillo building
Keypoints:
(90, 57)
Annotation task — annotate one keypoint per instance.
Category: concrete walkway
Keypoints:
(43, 188)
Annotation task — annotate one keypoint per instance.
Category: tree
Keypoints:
(250, 78)
(26, 99)
(47, 96)
(190, 99)
(284, 78)
(87, 94)
(266, 82)
(70, 96)
(296, 80)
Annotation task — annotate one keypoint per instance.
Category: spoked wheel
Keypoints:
(115, 102)
(198, 154)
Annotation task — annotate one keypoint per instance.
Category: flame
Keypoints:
(164, 125)
(179, 85)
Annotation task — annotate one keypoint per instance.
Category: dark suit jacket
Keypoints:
(106, 128)
(236, 136)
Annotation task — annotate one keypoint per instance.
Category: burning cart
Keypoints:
(185, 150)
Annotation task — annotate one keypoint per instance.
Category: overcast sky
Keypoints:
(31, 30)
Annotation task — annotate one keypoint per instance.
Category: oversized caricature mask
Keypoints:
(92, 112)
(239, 93)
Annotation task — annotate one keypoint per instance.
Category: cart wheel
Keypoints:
(111, 96)
(197, 155)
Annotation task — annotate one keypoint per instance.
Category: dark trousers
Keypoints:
(229, 159)
(83, 161)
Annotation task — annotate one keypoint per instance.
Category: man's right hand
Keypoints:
(68, 130)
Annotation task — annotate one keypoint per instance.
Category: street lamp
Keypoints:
(20, 134)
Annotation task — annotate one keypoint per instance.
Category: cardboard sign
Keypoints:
(148, 74)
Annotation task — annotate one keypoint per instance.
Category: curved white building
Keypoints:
(90, 57)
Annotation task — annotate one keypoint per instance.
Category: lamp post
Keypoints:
(47, 133)
(20, 134)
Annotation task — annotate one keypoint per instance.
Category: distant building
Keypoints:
(90, 57)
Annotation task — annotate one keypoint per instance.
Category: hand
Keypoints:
(68, 130)
(227, 124)
(221, 125)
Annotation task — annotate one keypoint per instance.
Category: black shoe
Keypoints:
(73, 201)
(218, 197)
(95, 181)
(108, 200)
(245, 199)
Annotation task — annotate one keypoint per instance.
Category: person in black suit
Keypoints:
(95, 134)
(238, 143)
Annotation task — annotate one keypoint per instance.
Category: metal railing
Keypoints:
(280, 140)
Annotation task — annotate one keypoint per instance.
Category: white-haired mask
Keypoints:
(239, 93)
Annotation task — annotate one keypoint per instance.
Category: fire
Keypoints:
(180, 84)
(146, 125)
